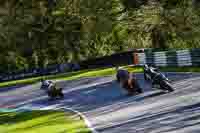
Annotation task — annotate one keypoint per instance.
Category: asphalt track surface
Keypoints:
(109, 110)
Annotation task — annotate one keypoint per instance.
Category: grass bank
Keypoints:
(41, 122)
(95, 72)
(64, 76)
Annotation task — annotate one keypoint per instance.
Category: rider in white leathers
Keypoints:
(48, 84)
(51, 89)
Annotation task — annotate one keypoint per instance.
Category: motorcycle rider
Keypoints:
(158, 80)
(48, 84)
(151, 70)
(51, 89)
(128, 81)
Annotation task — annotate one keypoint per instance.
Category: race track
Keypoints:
(109, 110)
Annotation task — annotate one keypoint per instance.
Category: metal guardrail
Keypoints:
(190, 57)
(54, 69)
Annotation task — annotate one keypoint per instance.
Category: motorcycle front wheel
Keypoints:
(61, 93)
(167, 86)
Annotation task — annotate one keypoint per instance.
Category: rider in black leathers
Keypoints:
(128, 81)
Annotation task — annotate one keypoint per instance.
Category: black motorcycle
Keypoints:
(157, 78)
(55, 93)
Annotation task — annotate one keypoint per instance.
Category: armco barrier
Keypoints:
(124, 58)
(52, 69)
(189, 57)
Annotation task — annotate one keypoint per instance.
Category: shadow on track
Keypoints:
(100, 96)
(159, 122)
(11, 88)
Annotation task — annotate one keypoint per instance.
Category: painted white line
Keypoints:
(89, 125)
(56, 107)
(64, 91)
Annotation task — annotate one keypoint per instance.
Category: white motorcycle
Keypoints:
(51, 89)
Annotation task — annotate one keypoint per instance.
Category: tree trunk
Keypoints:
(158, 38)
(11, 7)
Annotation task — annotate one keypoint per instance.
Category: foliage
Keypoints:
(38, 33)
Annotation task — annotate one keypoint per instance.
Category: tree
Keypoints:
(44, 32)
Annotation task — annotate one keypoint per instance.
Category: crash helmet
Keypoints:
(146, 66)
(122, 75)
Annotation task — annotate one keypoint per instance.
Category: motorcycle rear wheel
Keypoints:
(61, 93)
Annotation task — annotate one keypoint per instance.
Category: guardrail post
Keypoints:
(135, 58)
(141, 59)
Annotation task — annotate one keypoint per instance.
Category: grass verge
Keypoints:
(93, 73)
(41, 122)
(180, 69)
(64, 76)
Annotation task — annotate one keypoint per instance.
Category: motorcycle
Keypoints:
(158, 79)
(52, 91)
(55, 93)
(129, 82)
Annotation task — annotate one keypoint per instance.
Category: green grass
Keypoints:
(41, 122)
(95, 72)
(65, 76)
(18, 82)
(180, 69)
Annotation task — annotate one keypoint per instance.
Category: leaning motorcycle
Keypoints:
(157, 78)
(53, 92)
